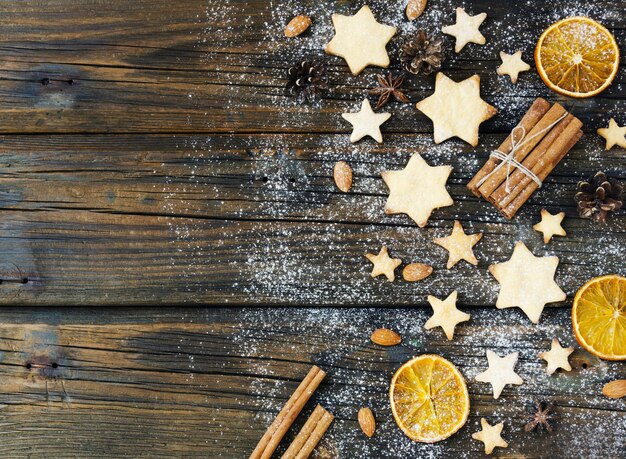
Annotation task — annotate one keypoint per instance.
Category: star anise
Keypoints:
(543, 414)
(388, 87)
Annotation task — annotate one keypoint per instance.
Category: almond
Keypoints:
(297, 25)
(416, 272)
(367, 421)
(415, 8)
(615, 389)
(385, 337)
(342, 174)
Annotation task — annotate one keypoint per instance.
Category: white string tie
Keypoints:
(509, 159)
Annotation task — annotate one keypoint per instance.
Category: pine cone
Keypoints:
(306, 81)
(598, 196)
(422, 53)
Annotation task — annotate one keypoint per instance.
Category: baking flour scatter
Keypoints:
(277, 269)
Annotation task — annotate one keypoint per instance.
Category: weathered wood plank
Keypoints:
(206, 382)
(257, 219)
(217, 66)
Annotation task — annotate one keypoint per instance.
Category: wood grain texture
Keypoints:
(149, 156)
(145, 219)
(207, 382)
(213, 66)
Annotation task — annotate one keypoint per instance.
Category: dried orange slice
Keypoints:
(429, 398)
(599, 317)
(577, 57)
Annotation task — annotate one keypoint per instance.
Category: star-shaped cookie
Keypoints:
(360, 40)
(417, 190)
(550, 225)
(490, 436)
(383, 264)
(527, 282)
(557, 357)
(501, 372)
(614, 135)
(459, 245)
(456, 109)
(465, 30)
(445, 314)
(512, 65)
(366, 122)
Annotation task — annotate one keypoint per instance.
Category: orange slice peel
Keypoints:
(577, 57)
(429, 398)
(599, 317)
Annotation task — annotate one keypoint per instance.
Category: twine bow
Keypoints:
(509, 159)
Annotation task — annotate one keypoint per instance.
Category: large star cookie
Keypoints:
(366, 123)
(465, 30)
(614, 135)
(456, 109)
(360, 40)
(417, 190)
(527, 282)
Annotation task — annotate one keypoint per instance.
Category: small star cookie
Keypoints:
(360, 40)
(417, 190)
(445, 314)
(500, 372)
(550, 225)
(614, 135)
(527, 282)
(456, 109)
(557, 357)
(459, 245)
(512, 65)
(490, 436)
(366, 123)
(383, 264)
(465, 30)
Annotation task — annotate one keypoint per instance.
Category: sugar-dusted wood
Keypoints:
(220, 66)
(258, 219)
(208, 382)
(121, 183)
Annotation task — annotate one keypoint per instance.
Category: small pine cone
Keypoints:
(306, 81)
(598, 196)
(422, 54)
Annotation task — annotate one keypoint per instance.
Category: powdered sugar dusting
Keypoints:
(359, 374)
(307, 241)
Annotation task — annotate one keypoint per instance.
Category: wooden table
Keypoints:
(149, 158)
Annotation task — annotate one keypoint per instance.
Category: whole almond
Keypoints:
(385, 337)
(297, 25)
(416, 272)
(342, 173)
(615, 389)
(415, 8)
(367, 421)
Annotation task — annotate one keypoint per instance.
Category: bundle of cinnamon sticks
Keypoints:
(539, 142)
(312, 431)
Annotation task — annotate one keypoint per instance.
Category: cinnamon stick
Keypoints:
(310, 434)
(533, 138)
(277, 430)
(565, 145)
(538, 159)
(316, 436)
(536, 111)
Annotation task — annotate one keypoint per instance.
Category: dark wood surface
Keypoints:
(149, 157)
